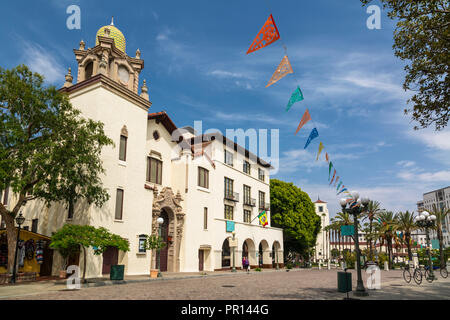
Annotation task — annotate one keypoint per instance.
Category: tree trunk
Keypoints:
(408, 245)
(11, 234)
(389, 243)
(370, 239)
(441, 247)
(84, 264)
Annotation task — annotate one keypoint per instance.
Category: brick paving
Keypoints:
(275, 285)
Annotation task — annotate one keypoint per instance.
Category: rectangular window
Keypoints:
(228, 158)
(261, 174)
(228, 188)
(203, 178)
(247, 191)
(34, 225)
(246, 167)
(154, 170)
(71, 209)
(320, 209)
(262, 200)
(142, 241)
(205, 218)
(123, 148)
(229, 212)
(247, 216)
(119, 204)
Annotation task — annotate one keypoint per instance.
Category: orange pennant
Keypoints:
(326, 157)
(267, 35)
(283, 69)
(306, 117)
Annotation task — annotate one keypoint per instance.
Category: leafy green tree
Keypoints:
(441, 214)
(406, 224)
(47, 150)
(71, 237)
(293, 211)
(422, 37)
(373, 209)
(387, 230)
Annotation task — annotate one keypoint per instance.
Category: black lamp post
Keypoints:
(425, 221)
(233, 269)
(355, 207)
(20, 219)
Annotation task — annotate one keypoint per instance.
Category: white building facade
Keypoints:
(441, 199)
(322, 248)
(203, 186)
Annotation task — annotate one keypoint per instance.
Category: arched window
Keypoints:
(226, 258)
(88, 70)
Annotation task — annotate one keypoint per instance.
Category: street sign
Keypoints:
(347, 230)
(233, 243)
(435, 244)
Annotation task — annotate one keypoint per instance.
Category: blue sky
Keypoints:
(196, 69)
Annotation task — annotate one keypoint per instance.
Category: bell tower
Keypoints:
(110, 59)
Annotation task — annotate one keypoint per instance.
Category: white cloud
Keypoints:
(406, 163)
(434, 140)
(430, 177)
(226, 74)
(42, 61)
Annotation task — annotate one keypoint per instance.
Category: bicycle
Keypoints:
(417, 274)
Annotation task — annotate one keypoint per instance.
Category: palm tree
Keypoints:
(342, 219)
(441, 214)
(373, 209)
(388, 225)
(406, 224)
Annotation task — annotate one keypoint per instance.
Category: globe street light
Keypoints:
(20, 219)
(160, 221)
(355, 206)
(425, 221)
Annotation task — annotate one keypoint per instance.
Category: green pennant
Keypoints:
(296, 96)
(329, 170)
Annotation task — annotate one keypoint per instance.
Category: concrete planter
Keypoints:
(153, 273)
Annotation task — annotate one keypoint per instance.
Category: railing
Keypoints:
(264, 206)
(250, 202)
(233, 196)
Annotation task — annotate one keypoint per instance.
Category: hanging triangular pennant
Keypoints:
(343, 190)
(306, 117)
(267, 35)
(295, 97)
(314, 134)
(339, 185)
(334, 174)
(327, 158)
(284, 68)
(329, 169)
(320, 150)
(335, 181)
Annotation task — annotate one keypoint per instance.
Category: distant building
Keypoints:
(322, 249)
(440, 198)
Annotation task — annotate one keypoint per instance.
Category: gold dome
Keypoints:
(116, 34)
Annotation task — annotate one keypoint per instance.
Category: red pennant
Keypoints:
(267, 35)
(306, 117)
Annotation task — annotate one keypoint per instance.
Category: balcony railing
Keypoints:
(250, 202)
(264, 206)
(233, 196)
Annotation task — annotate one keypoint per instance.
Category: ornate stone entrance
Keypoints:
(169, 203)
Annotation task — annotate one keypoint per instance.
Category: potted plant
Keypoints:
(154, 242)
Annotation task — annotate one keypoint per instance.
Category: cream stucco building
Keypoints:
(203, 186)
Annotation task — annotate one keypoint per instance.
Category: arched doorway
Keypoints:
(264, 260)
(167, 205)
(276, 254)
(226, 256)
(249, 252)
(164, 253)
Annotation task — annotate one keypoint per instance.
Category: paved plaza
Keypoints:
(265, 285)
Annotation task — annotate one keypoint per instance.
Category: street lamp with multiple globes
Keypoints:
(425, 221)
(20, 219)
(160, 221)
(355, 207)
